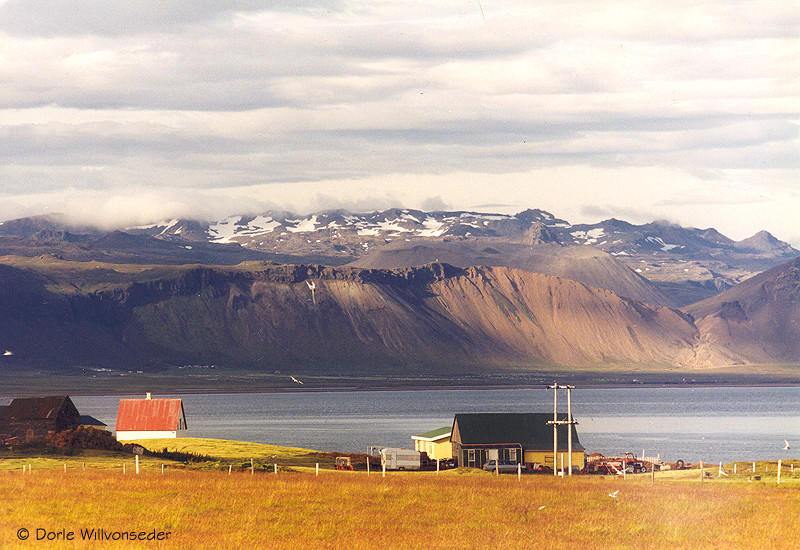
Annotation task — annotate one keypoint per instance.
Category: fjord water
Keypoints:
(693, 423)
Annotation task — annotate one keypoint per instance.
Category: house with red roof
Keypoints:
(150, 418)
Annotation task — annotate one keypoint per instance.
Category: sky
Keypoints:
(122, 113)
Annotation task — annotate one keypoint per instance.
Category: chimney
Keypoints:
(149, 396)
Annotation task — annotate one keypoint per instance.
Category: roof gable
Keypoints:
(88, 420)
(150, 415)
(434, 435)
(531, 430)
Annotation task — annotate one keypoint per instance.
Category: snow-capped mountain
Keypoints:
(359, 233)
(688, 264)
(685, 264)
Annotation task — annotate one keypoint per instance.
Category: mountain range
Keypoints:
(399, 290)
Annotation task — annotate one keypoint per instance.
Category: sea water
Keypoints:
(713, 424)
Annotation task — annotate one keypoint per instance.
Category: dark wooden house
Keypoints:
(525, 438)
(29, 418)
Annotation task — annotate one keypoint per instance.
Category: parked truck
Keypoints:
(400, 459)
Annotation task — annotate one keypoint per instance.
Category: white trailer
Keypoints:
(400, 459)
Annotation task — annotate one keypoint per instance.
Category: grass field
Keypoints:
(457, 509)
(205, 507)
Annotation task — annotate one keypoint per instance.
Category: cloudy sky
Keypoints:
(132, 111)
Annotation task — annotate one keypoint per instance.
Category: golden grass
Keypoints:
(226, 449)
(209, 509)
(223, 453)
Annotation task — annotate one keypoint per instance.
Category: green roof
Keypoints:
(531, 430)
(438, 433)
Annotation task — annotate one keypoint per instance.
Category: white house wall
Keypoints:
(127, 436)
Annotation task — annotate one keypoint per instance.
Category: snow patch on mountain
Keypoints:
(224, 231)
(307, 225)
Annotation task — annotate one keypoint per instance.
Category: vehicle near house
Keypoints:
(400, 459)
(501, 466)
(344, 463)
(627, 463)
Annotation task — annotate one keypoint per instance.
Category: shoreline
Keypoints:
(21, 386)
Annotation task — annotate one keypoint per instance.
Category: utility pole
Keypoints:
(556, 422)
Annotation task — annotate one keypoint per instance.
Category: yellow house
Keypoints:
(435, 443)
(525, 438)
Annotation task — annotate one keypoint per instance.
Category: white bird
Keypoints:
(786, 446)
(8, 352)
(312, 286)
(541, 507)
(614, 494)
(295, 380)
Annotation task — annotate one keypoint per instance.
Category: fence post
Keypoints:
(162, 468)
(754, 467)
(367, 465)
(230, 467)
(317, 472)
(779, 471)
(65, 467)
(275, 466)
(519, 471)
(252, 467)
(123, 467)
(137, 465)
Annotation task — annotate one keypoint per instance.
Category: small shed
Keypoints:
(150, 418)
(435, 443)
(88, 421)
(29, 418)
(516, 437)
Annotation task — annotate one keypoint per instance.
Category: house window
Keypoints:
(473, 458)
(509, 455)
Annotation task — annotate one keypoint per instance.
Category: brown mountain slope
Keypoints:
(558, 321)
(267, 316)
(435, 315)
(584, 264)
(758, 319)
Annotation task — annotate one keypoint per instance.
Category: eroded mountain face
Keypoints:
(444, 291)
(264, 316)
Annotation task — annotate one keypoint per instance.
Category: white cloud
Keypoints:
(337, 103)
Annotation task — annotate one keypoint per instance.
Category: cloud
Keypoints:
(435, 204)
(126, 17)
(343, 103)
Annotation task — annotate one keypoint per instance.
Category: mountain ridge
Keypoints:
(262, 316)
(677, 266)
